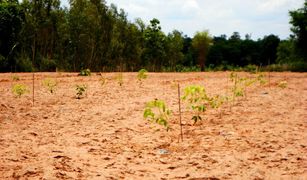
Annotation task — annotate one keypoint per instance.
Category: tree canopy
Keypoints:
(40, 35)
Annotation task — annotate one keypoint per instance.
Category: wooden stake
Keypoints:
(269, 74)
(181, 134)
(33, 88)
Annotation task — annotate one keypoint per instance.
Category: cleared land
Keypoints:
(104, 135)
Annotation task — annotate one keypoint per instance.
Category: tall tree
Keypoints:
(201, 42)
(154, 52)
(299, 28)
(11, 18)
(174, 49)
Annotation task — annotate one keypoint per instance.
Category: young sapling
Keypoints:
(142, 75)
(80, 90)
(19, 89)
(50, 84)
(217, 101)
(196, 96)
(157, 112)
(119, 78)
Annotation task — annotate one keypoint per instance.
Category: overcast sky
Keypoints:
(255, 17)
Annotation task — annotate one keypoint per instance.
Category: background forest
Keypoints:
(40, 35)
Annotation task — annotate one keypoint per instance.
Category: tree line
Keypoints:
(40, 35)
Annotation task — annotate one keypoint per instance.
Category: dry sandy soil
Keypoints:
(104, 135)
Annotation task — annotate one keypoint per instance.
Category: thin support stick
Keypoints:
(33, 88)
(181, 134)
(269, 75)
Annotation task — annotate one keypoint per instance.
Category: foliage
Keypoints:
(85, 72)
(157, 112)
(80, 90)
(197, 99)
(44, 36)
(299, 24)
(50, 84)
(142, 74)
(19, 90)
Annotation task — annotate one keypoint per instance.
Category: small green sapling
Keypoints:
(50, 84)
(197, 98)
(142, 74)
(157, 112)
(19, 90)
(80, 90)
(119, 78)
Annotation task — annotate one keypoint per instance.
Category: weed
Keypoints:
(157, 112)
(50, 84)
(196, 97)
(81, 89)
(19, 90)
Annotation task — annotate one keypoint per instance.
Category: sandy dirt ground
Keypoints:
(104, 135)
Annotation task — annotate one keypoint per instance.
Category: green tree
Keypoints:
(154, 52)
(174, 53)
(11, 19)
(299, 28)
(201, 42)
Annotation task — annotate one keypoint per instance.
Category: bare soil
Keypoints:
(104, 136)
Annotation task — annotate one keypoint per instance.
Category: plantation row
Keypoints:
(157, 111)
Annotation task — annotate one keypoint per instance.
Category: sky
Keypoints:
(254, 17)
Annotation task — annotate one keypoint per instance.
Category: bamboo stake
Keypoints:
(181, 134)
(33, 88)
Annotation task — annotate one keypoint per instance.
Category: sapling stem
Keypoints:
(181, 134)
